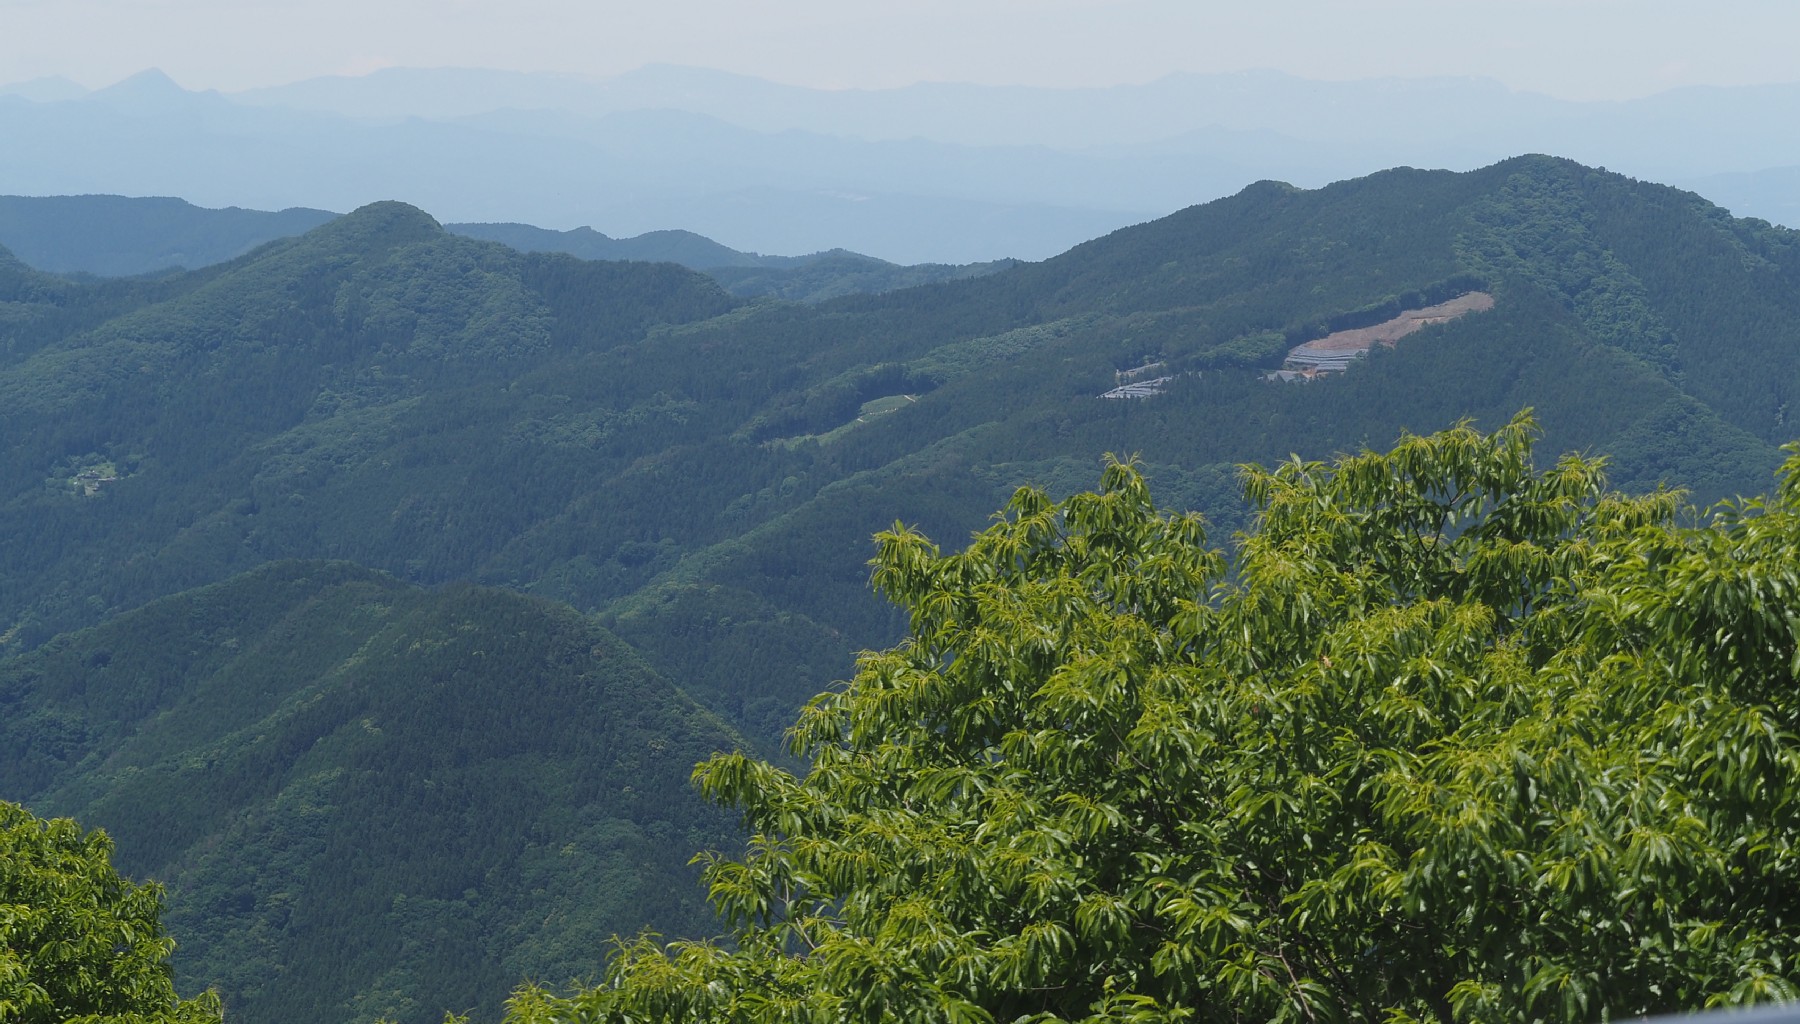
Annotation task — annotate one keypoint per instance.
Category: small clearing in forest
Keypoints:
(1333, 352)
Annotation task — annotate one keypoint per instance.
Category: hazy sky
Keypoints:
(1578, 49)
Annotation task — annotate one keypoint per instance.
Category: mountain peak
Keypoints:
(379, 225)
(151, 92)
(393, 211)
(150, 82)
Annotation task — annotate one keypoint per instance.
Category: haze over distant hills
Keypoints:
(928, 173)
(118, 236)
(1436, 116)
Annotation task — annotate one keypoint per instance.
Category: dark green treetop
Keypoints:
(1446, 738)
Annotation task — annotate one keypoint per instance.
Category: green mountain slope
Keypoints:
(441, 408)
(267, 379)
(704, 474)
(361, 792)
(811, 278)
(684, 247)
(835, 274)
(38, 309)
(1004, 372)
(390, 397)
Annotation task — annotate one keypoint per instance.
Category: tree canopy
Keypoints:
(1444, 737)
(78, 943)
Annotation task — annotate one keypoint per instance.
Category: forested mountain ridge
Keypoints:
(442, 408)
(318, 342)
(810, 278)
(705, 473)
(367, 798)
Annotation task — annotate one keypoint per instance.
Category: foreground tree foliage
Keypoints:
(1445, 739)
(77, 942)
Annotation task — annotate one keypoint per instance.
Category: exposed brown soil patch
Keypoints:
(1364, 338)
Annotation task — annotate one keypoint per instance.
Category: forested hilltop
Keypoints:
(371, 798)
(704, 473)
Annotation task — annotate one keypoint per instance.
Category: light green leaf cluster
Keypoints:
(1445, 739)
(77, 942)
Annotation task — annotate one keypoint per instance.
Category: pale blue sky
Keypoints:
(1577, 49)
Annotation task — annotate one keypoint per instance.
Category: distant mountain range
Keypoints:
(924, 174)
(375, 586)
(116, 236)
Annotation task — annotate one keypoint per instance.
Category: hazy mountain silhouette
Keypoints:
(48, 89)
(118, 236)
(928, 173)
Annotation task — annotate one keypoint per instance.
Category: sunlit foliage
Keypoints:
(77, 942)
(1445, 738)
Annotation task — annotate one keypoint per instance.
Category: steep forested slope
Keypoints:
(441, 408)
(267, 380)
(369, 798)
(705, 473)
